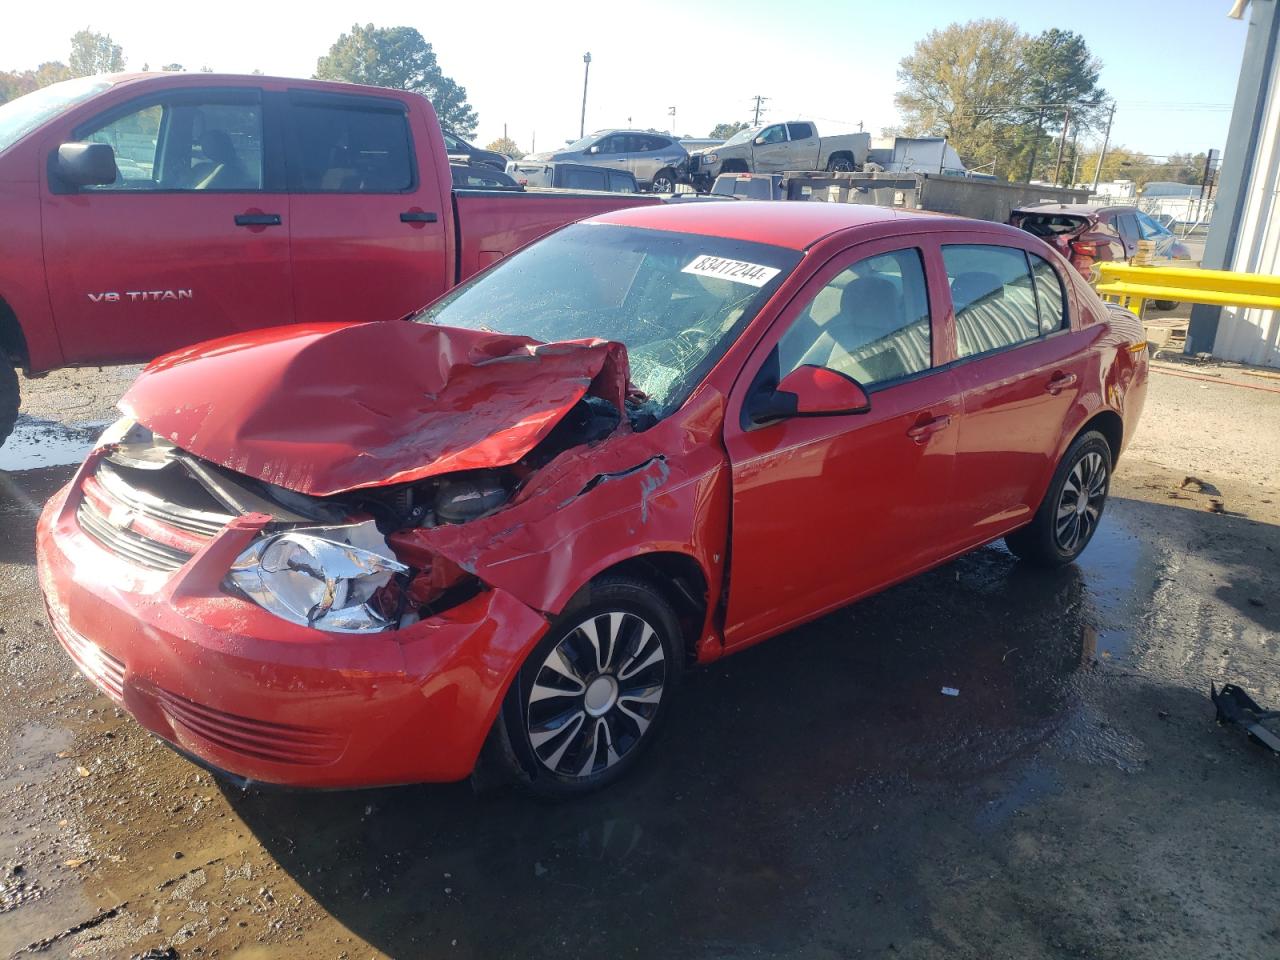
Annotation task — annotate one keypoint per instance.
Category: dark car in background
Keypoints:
(571, 176)
(749, 186)
(1087, 235)
(462, 152)
(478, 176)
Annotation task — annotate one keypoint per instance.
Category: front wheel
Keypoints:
(595, 691)
(664, 181)
(1069, 515)
(9, 398)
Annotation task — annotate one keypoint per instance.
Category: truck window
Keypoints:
(584, 179)
(621, 182)
(800, 131)
(345, 148)
(775, 134)
(185, 142)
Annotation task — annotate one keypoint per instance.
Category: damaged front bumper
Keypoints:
(265, 699)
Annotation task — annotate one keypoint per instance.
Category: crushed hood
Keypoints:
(321, 409)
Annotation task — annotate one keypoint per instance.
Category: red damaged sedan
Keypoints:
(341, 555)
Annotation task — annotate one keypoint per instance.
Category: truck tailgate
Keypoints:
(491, 223)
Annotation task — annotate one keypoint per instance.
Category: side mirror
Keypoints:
(810, 391)
(86, 164)
(758, 141)
(594, 148)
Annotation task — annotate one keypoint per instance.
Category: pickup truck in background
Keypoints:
(571, 176)
(793, 145)
(147, 212)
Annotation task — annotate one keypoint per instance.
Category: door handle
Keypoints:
(418, 216)
(923, 431)
(1059, 382)
(258, 220)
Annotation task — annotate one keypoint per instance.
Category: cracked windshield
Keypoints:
(675, 300)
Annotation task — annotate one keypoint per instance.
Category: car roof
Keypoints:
(795, 224)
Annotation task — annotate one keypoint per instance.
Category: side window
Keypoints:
(584, 179)
(611, 144)
(452, 144)
(800, 131)
(775, 134)
(654, 143)
(870, 323)
(1049, 296)
(343, 148)
(994, 297)
(621, 183)
(1107, 226)
(1149, 229)
(185, 143)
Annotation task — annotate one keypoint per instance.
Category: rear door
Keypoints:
(1020, 367)
(190, 242)
(1127, 224)
(828, 509)
(366, 208)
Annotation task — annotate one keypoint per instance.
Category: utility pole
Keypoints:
(759, 104)
(671, 112)
(586, 75)
(1106, 141)
(1062, 144)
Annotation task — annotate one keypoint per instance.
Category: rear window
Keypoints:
(341, 148)
(583, 179)
(1049, 224)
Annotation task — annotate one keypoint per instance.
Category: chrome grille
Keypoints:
(126, 543)
(202, 522)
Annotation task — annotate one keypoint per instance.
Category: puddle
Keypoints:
(38, 443)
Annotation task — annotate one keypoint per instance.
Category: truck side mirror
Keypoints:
(594, 148)
(758, 141)
(86, 164)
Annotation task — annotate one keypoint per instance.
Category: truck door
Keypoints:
(190, 242)
(367, 211)
(770, 150)
(804, 146)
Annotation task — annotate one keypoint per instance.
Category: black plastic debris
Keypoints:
(1236, 706)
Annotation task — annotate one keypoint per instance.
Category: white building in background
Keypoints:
(1245, 231)
(1116, 190)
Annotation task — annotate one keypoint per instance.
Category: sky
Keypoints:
(1171, 65)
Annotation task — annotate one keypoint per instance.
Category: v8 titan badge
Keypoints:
(738, 271)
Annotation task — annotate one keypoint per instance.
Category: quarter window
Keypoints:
(350, 149)
(870, 323)
(185, 143)
(994, 297)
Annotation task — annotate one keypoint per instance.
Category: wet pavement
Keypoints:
(816, 796)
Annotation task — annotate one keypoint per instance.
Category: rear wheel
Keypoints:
(595, 691)
(9, 399)
(1069, 515)
(840, 164)
(664, 181)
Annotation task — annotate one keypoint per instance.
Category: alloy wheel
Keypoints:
(1080, 503)
(662, 185)
(596, 694)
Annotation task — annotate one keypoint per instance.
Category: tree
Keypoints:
(723, 131)
(506, 145)
(94, 53)
(961, 82)
(14, 84)
(399, 58)
(1121, 163)
(1060, 71)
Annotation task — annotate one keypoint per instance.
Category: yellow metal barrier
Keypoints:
(1133, 285)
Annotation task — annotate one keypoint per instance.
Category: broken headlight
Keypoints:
(322, 577)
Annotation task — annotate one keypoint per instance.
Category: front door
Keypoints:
(368, 224)
(829, 509)
(771, 151)
(190, 242)
(1021, 369)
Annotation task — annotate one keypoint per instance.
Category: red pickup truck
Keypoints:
(145, 212)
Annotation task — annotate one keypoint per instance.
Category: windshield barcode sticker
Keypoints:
(739, 271)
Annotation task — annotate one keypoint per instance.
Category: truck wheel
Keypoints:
(841, 163)
(9, 400)
(664, 181)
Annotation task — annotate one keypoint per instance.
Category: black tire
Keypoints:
(558, 758)
(9, 399)
(733, 166)
(1165, 304)
(1055, 537)
(841, 163)
(664, 181)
